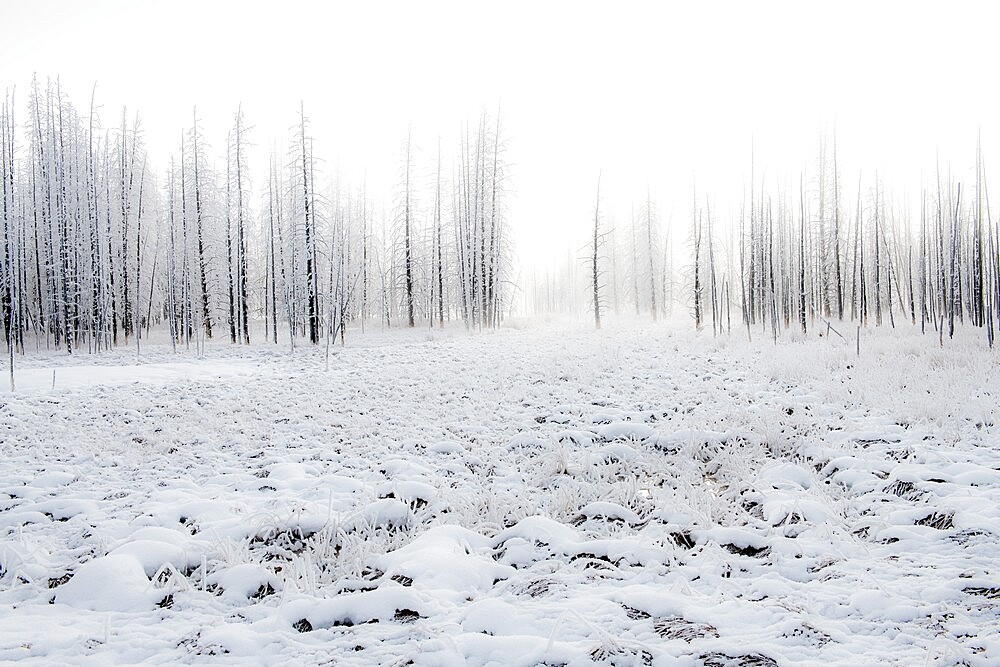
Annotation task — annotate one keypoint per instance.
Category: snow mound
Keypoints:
(622, 430)
(609, 511)
(450, 560)
(409, 491)
(618, 452)
(385, 603)
(539, 529)
(447, 447)
(154, 554)
(109, 583)
(245, 580)
(385, 513)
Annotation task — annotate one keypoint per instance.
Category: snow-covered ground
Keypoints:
(538, 495)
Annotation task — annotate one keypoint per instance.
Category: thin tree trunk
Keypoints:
(593, 265)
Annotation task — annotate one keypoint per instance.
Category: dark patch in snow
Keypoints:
(281, 542)
(903, 489)
(814, 637)
(719, 659)
(615, 653)
(753, 508)
(683, 539)
(592, 559)
(970, 536)
(262, 592)
(405, 616)
(992, 592)
(676, 627)
(753, 552)
(937, 520)
(537, 587)
(59, 581)
(635, 614)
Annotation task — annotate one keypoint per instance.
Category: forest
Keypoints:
(101, 245)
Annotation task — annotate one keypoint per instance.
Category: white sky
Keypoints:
(647, 92)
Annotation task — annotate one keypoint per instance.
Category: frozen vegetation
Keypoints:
(537, 495)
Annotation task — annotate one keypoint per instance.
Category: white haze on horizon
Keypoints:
(646, 93)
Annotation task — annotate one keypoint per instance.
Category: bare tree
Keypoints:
(595, 248)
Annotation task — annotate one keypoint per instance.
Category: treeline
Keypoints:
(808, 257)
(797, 256)
(100, 246)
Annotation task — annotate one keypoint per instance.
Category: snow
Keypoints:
(535, 495)
(109, 583)
(449, 561)
(76, 377)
